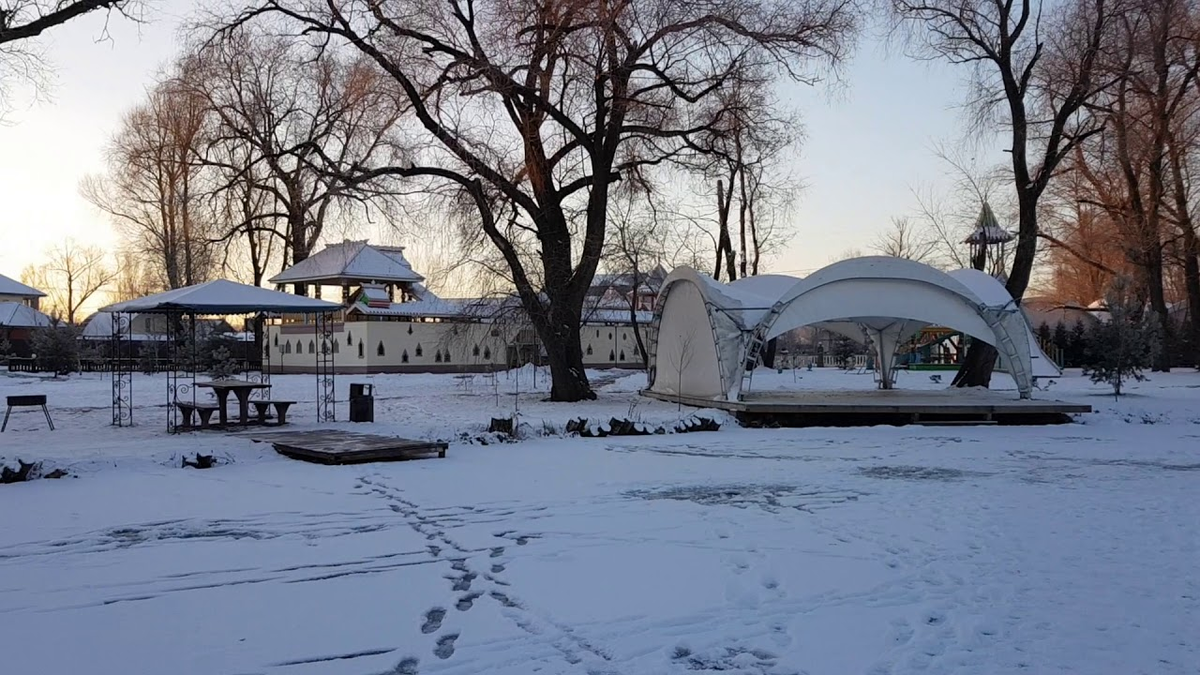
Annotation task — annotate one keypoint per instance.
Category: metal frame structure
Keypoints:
(181, 383)
(121, 353)
(264, 355)
(326, 372)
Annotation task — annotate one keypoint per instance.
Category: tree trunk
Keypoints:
(560, 337)
(724, 242)
(1158, 307)
(1191, 249)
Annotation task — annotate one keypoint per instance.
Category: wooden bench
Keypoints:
(281, 408)
(27, 401)
(204, 410)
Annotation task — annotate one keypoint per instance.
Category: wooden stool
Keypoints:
(27, 401)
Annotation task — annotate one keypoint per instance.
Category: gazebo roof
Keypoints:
(223, 297)
(987, 229)
(351, 261)
(10, 286)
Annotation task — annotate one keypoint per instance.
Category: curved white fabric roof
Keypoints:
(888, 298)
(223, 297)
(992, 292)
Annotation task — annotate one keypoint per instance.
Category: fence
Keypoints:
(107, 365)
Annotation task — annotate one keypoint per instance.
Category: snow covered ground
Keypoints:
(1067, 549)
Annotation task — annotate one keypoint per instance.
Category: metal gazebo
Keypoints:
(181, 307)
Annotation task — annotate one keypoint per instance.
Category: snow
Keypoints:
(352, 260)
(12, 287)
(16, 315)
(1059, 549)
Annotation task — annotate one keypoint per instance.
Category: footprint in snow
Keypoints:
(445, 646)
(406, 667)
(433, 620)
(497, 552)
(497, 569)
(467, 601)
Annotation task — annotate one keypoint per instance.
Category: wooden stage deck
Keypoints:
(895, 406)
(331, 446)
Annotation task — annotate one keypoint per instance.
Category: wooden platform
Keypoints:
(895, 406)
(328, 446)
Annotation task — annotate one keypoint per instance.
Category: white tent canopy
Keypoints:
(708, 331)
(223, 297)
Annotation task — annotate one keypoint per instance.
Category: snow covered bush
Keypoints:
(1118, 349)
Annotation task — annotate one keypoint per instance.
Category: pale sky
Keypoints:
(868, 143)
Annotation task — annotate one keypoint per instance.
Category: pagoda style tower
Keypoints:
(987, 243)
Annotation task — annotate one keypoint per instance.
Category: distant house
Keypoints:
(12, 290)
(17, 323)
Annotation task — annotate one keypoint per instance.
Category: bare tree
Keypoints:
(291, 122)
(1153, 69)
(132, 278)
(535, 108)
(1033, 69)
(71, 276)
(738, 154)
(154, 189)
(904, 240)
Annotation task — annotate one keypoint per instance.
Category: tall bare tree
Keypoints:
(543, 105)
(292, 122)
(1033, 68)
(154, 188)
(1153, 71)
(71, 275)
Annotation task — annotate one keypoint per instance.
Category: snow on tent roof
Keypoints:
(223, 297)
(10, 286)
(16, 315)
(351, 261)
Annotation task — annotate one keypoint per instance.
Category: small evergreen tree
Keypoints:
(843, 350)
(1077, 345)
(57, 349)
(1118, 349)
(1044, 335)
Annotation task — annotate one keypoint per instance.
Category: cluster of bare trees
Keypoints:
(235, 162)
(1126, 209)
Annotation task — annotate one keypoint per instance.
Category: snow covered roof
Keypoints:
(9, 286)
(16, 315)
(987, 229)
(223, 297)
(614, 315)
(351, 261)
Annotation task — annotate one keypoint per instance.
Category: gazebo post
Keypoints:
(120, 351)
(326, 394)
(180, 383)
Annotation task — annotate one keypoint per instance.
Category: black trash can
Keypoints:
(362, 402)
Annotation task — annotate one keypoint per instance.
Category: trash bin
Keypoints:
(362, 402)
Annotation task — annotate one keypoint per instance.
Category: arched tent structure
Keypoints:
(709, 335)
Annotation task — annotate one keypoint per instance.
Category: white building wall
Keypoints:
(414, 346)
(609, 346)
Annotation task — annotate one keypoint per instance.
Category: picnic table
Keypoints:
(241, 389)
